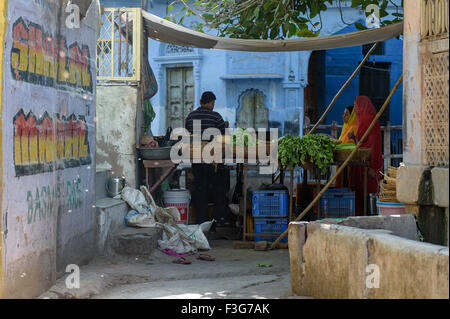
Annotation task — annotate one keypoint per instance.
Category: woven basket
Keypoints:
(388, 186)
(197, 152)
(392, 172)
(388, 196)
(361, 155)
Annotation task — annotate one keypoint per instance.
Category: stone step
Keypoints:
(136, 241)
(109, 220)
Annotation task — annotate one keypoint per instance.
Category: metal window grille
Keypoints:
(119, 45)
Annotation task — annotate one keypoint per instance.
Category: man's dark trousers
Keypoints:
(203, 175)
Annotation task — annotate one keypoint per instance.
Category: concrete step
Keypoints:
(109, 220)
(136, 241)
(101, 177)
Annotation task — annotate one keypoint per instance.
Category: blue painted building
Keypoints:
(376, 78)
(276, 89)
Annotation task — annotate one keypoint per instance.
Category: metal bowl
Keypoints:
(159, 153)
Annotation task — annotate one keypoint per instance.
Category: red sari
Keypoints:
(365, 113)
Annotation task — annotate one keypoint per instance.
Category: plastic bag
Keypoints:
(184, 238)
(196, 233)
(136, 200)
(130, 214)
(136, 219)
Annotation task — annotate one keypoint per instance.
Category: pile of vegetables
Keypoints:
(316, 148)
(345, 146)
(289, 151)
(243, 137)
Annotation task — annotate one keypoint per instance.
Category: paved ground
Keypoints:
(236, 273)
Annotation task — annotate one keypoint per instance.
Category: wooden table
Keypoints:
(151, 164)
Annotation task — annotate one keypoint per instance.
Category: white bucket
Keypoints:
(180, 199)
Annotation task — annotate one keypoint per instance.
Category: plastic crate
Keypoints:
(337, 203)
(270, 203)
(270, 226)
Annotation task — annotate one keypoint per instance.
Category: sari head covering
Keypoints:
(365, 113)
(348, 127)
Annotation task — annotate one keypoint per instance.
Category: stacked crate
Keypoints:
(337, 203)
(270, 211)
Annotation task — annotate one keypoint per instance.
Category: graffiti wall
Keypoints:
(48, 111)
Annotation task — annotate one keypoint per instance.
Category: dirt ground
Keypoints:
(235, 274)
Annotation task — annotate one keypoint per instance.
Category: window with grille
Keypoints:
(436, 108)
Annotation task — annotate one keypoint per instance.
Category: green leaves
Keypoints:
(317, 148)
(289, 151)
(243, 137)
(273, 19)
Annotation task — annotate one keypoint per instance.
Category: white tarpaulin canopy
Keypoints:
(168, 32)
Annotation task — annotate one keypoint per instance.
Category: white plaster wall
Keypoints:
(117, 129)
(412, 85)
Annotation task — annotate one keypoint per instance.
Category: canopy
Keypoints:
(169, 32)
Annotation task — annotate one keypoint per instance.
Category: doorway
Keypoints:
(374, 82)
(252, 111)
(314, 99)
(180, 95)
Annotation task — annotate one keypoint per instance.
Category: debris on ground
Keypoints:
(179, 238)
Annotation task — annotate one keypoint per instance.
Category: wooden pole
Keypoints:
(341, 168)
(342, 89)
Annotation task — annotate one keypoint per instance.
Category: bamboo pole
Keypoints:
(341, 168)
(342, 89)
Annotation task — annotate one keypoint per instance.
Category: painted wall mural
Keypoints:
(41, 58)
(48, 138)
(49, 143)
(44, 201)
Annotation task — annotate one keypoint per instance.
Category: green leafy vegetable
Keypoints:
(345, 146)
(243, 137)
(289, 151)
(318, 148)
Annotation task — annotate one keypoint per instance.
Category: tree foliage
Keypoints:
(271, 19)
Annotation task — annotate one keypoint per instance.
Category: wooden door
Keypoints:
(180, 95)
(252, 112)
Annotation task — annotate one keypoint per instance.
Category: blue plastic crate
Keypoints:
(270, 226)
(270, 203)
(337, 203)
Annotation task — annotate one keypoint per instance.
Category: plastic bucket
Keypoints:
(387, 208)
(180, 199)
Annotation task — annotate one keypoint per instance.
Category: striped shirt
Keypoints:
(208, 119)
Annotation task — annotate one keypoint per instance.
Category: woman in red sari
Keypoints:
(365, 113)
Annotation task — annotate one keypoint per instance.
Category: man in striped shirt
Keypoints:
(206, 115)
(206, 174)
